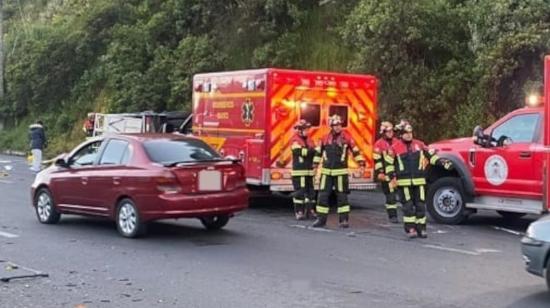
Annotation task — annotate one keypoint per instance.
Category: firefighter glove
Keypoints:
(381, 177)
(393, 183)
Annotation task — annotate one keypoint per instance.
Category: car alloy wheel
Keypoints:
(45, 210)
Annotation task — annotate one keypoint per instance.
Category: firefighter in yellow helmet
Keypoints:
(303, 151)
(333, 151)
(382, 148)
(411, 158)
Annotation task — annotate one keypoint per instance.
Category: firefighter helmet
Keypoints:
(385, 126)
(302, 124)
(335, 120)
(400, 128)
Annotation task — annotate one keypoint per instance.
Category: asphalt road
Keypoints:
(262, 259)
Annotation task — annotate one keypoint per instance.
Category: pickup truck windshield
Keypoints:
(521, 128)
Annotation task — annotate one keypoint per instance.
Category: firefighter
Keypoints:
(408, 173)
(303, 151)
(334, 150)
(381, 156)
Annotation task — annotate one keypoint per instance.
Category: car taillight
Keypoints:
(168, 184)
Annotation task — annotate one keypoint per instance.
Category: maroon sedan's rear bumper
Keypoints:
(199, 205)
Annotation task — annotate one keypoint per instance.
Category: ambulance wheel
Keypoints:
(445, 201)
(510, 215)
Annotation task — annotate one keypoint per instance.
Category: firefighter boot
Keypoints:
(344, 220)
(392, 216)
(299, 211)
(320, 222)
(411, 233)
(421, 230)
(310, 211)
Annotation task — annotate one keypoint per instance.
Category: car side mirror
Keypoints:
(61, 162)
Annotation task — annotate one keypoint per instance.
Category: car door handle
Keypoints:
(116, 180)
(525, 154)
(84, 180)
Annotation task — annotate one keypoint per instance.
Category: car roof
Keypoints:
(141, 137)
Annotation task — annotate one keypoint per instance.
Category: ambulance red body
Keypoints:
(510, 175)
(250, 115)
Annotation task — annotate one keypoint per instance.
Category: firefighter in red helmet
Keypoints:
(382, 158)
(411, 159)
(303, 151)
(333, 151)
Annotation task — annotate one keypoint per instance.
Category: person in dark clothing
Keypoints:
(38, 142)
(334, 151)
(303, 151)
(411, 158)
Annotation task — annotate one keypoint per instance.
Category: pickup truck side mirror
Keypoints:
(480, 138)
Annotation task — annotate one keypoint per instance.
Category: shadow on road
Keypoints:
(539, 299)
(163, 230)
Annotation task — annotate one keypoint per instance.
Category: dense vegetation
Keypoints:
(444, 64)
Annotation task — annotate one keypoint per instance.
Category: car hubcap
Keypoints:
(127, 218)
(448, 202)
(44, 206)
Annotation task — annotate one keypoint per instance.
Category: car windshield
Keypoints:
(169, 152)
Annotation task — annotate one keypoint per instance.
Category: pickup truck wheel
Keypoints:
(215, 222)
(446, 201)
(511, 215)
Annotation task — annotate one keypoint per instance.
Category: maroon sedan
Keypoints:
(135, 179)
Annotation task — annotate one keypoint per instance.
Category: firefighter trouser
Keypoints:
(391, 203)
(338, 184)
(414, 207)
(304, 193)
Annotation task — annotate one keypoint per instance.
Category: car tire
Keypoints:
(445, 201)
(45, 207)
(511, 215)
(128, 221)
(548, 272)
(214, 222)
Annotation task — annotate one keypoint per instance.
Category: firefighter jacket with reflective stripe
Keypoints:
(303, 152)
(411, 160)
(334, 151)
(382, 156)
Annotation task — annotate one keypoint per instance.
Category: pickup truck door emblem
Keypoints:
(496, 170)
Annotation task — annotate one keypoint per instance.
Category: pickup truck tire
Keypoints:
(445, 201)
(510, 215)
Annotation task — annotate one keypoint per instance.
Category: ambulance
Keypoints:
(250, 115)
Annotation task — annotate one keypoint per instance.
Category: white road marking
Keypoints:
(462, 251)
(514, 232)
(311, 228)
(477, 252)
(8, 235)
(484, 250)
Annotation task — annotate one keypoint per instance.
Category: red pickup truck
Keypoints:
(499, 168)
